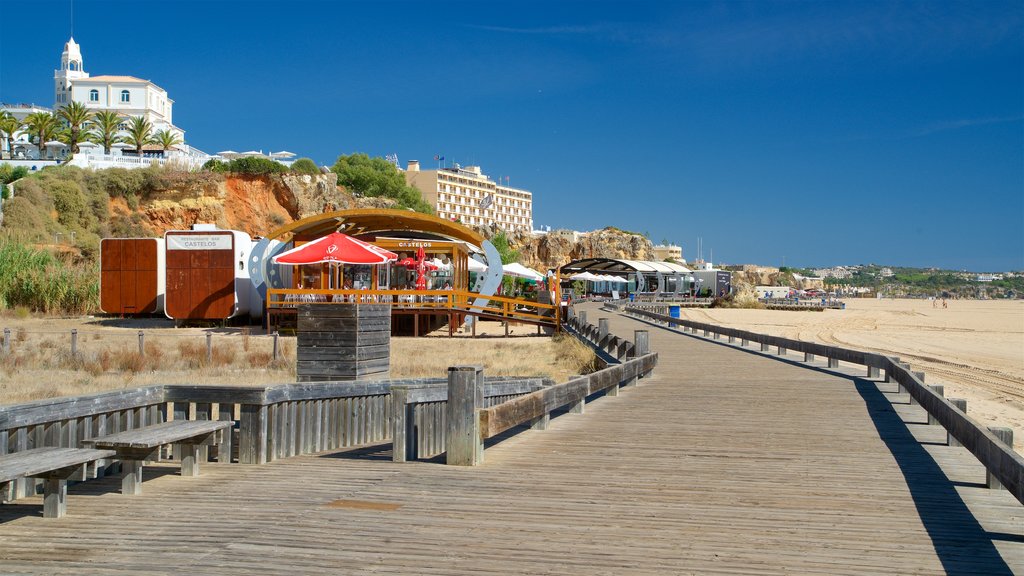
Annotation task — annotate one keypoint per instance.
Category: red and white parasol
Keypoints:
(336, 248)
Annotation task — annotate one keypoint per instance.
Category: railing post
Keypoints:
(209, 348)
(1005, 435)
(781, 351)
(252, 437)
(808, 357)
(580, 406)
(744, 342)
(961, 405)
(873, 372)
(833, 362)
(142, 343)
(403, 431)
(642, 344)
(765, 347)
(938, 389)
(920, 376)
(277, 349)
(602, 328)
(732, 339)
(74, 342)
(465, 400)
(583, 317)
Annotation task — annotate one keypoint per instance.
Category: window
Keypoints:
(126, 96)
(94, 95)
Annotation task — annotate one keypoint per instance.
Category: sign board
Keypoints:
(198, 242)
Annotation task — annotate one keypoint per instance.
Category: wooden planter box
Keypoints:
(343, 341)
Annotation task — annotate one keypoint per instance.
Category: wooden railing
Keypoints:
(992, 447)
(269, 422)
(470, 420)
(498, 307)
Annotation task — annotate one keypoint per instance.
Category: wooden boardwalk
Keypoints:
(725, 462)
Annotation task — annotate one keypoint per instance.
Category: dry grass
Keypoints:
(556, 358)
(40, 364)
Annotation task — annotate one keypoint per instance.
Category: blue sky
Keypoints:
(819, 133)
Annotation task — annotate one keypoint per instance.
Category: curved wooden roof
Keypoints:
(376, 221)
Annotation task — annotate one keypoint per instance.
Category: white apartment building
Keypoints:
(467, 195)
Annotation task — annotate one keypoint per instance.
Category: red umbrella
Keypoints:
(336, 247)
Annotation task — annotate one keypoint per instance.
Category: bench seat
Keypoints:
(54, 465)
(136, 446)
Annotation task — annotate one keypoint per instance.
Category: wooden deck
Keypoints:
(724, 462)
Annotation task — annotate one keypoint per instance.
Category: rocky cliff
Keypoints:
(253, 204)
(560, 247)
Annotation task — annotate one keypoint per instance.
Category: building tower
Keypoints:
(70, 69)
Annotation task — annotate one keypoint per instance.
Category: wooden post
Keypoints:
(780, 351)
(209, 348)
(7, 340)
(961, 405)
(465, 400)
(252, 437)
(226, 413)
(765, 347)
(920, 376)
(131, 477)
(873, 372)
(938, 389)
(403, 431)
(277, 348)
(583, 318)
(55, 498)
(744, 342)
(142, 343)
(602, 329)
(189, 460)
(833, 362)
(541, 422)
(1005, 435)
(74, 342)
(808, 357)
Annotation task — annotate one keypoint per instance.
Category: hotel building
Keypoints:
(126, 95)
(468, 196)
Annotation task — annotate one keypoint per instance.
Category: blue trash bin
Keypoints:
(674, 312)
(631, 297)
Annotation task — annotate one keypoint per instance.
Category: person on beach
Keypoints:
(944, 305)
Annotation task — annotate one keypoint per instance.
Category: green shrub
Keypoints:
(70, 202)
(214, 165)
(120, 182)
(25, 219)
(254, 165)
(304, 166)
(10, 173)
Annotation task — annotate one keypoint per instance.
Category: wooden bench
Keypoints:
(133, 447)
(54, 465)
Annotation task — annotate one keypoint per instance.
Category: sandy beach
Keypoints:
(974, 348)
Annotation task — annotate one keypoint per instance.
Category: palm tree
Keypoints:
(105, 126)
(43, 126)
(9, 125)
(166, 139)
(140, 133)
(75, 115)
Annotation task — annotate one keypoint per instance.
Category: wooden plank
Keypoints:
(177, 431)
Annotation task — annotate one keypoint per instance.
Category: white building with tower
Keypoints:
(126, 95)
